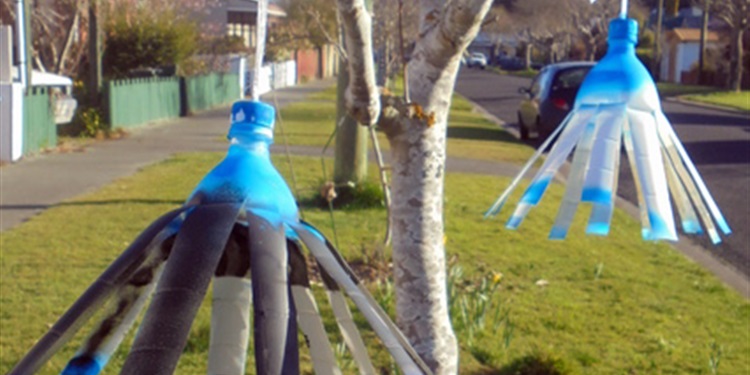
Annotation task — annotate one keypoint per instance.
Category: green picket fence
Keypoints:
(133, 102)
(211, 90)
(39, 128)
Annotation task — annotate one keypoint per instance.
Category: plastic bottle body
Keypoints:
(246, 174)
(620, 78)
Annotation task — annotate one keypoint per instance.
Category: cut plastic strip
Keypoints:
(720, 221)
(684, 176)
(345, 322)
(575, 181)
(650, 169)
(601, 185)
(555, 159)
(627, 140)
(688, 217)
(324, 362)
(94, 297)
(350, 332)
(557, 156)
(392, 338)
(495, 208)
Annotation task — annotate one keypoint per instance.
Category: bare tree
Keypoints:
(497, 26)
(309, 23)
(734, 13)
(591, 21)
(58, 46)
(394, 31)
(417, 131)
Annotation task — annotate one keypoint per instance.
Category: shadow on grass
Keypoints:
(483, 134)
(532, 364)
(121, 201)
(33, 206)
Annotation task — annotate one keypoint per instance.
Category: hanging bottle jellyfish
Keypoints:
(618, 105)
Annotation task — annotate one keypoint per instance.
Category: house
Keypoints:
(681, 51)
(238, 18)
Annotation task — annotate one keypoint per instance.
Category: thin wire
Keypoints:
(325, 178)
(280, 121)
(384, 184)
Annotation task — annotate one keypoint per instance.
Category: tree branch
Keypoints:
(362, 99)
(316, 17)
(457, 27)
(63, 56)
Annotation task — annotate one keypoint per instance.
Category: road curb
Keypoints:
(728, 274)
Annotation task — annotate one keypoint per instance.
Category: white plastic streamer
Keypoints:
(260, 46)
(230, 326)
(575, 183)
(601, 179)
(310, 322)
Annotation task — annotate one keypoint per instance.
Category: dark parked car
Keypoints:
(509, 63)
(550, 97)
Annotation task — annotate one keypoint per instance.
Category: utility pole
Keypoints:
(704, 36)
(350, 157)
(24, 46)
(95, 54)
(656, 63)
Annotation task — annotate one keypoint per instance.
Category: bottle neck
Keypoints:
(620, 46)
(252, 143)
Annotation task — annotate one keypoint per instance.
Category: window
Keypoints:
(242, 24)
(570, 79)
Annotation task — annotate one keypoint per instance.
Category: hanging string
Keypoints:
(260, 46)
(325, 178)
(280, 122)
(384, 184)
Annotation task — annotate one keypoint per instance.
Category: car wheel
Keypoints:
(522, 128)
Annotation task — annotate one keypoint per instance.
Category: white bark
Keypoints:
(362, 99)
(417, 132)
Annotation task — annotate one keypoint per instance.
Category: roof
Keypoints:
(39, 78)
(570, 64)
(691, 35)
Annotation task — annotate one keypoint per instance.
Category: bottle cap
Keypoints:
(252, 117)
(623, 29)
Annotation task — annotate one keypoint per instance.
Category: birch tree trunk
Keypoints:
(417, 132)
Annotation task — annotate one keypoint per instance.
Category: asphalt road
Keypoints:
(717, 141)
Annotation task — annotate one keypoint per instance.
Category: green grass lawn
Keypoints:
(613, 305)
(737, 100)
(470, 134)
(669, 89)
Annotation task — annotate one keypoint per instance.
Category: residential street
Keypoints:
(717, 141)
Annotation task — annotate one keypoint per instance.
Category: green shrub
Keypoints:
(363, 195)
(147, 40)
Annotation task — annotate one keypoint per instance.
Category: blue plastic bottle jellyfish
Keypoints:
(617, 105)
(239, 228)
